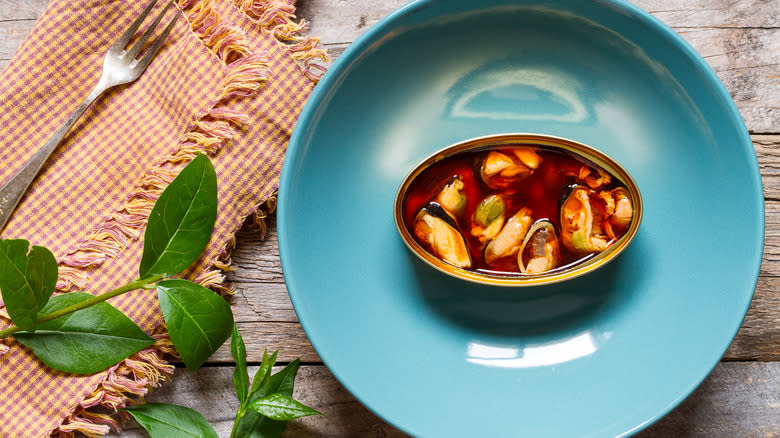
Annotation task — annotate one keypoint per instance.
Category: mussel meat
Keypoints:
(489, 218)
(528, 156)
(624, 211)
(451, 197)
(501, 171)
(595, 178)
(439, 231)
(509, 239)
(540, 251)
(517, 210)
(583, 215)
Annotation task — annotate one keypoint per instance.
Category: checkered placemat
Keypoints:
(230, 81)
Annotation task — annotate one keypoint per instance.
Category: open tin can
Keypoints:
(518, 209)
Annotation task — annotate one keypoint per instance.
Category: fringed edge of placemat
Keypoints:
(131, 377)
(278, 18)
(245, 74)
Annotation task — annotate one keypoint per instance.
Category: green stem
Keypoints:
(239, 415)
(141, 283)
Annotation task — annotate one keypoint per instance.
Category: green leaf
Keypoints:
(263, 371)
(199, 321)
(279, 407)
(86, 341)
(254, 425)
(240, 373)
(162, 420)
(27, 280)
(282, 382)
(181, 220)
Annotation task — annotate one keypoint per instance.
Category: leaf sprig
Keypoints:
(264, 408)
(81, 333)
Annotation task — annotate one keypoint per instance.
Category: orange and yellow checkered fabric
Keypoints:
(230, 81)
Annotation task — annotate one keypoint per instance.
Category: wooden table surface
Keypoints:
(740, 39)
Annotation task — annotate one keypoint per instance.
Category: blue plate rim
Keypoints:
(352, 53)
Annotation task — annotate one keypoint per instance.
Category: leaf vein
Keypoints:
(194, 321)
(171, 237)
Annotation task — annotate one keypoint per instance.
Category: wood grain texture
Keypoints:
(18, 10)
(740, 39)
(739, 399)
(261, 301)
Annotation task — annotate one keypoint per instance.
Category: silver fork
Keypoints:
(121, 66)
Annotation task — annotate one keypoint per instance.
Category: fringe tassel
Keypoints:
(131, 377)
(71, 278)
(82, 425)
(278, 17)
(311, 56)
(245, 74)
(258, 219)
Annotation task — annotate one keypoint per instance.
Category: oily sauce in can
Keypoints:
(546, 184)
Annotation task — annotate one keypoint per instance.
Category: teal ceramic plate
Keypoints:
(602, 355)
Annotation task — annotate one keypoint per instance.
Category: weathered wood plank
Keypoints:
(262, 296)
(12, 33)
(287, 337)
(17, 18)
(739, 399)
(13, 10)
(343, 20)
(314, 386)
(711, 13)
(266, 314)
(759, 336)
(768, 153)
(757, 339)
(746, 61)
(739, 39)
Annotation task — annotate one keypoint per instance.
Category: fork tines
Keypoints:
(120, 46)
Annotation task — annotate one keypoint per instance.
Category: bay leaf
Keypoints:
(266, 363)
(279, 407)
(86, 341)
(27, 280)
(254, 425)
(162, 420)
(198, 319)
(240, 373)
(181, 220)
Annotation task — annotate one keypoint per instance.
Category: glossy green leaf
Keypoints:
(86, 341)
(27, 280)
(163, 420)
(254, 425)
(199, 321)
(240, 373)
(279, 407)
(263, 371)
(181, 220)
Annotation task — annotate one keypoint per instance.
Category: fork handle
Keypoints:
(13, 190)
